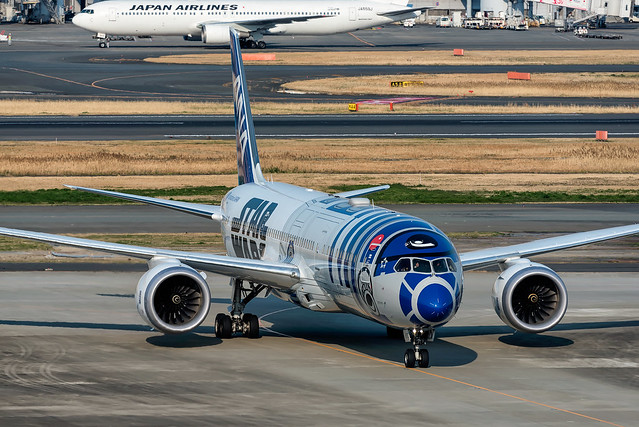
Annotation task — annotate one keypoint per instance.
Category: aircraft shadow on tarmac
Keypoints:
(190, 340)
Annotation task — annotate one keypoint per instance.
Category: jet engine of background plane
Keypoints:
(172, 297)
(529, 297)
(215, 34)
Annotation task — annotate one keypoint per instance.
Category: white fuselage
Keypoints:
(180, 18)
(353, 256)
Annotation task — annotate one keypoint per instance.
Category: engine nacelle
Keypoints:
(216, 34)
(172, 297)
(530, 297)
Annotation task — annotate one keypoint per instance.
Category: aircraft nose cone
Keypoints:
(435, 303)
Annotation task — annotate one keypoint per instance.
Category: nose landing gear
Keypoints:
(239, 322)
(418, 337)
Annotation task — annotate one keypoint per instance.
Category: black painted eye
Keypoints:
(420, 241)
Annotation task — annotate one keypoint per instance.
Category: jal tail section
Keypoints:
(248, 162)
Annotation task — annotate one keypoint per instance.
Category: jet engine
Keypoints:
(215, 34)
(530, 297)
(172, 297)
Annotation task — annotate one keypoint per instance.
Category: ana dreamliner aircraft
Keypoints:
(210, 20)
(332, 253)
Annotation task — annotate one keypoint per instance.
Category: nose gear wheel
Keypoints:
(418, 337)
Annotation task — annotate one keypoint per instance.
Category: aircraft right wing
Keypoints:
(207, 211)
(277, 275)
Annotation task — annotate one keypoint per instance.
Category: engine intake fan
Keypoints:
(530, 297)
(173, 298)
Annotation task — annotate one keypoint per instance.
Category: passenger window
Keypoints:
(451, 265)
(421, 265)
(439, 265)
(403, 265)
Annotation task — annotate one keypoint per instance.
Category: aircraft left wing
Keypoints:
(207, 211)
(492, 256)
(398, 12)
(264, 24)
(277, 275)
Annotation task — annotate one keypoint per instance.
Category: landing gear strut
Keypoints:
(239, 322)
(418, 337)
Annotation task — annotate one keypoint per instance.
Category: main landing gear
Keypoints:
(103, 43)
(239, 322)
(252, 44)
(418, 337)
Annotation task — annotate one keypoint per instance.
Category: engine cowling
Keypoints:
(530, 297)
(215, 34)
(173, 298)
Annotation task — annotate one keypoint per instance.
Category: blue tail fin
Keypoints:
(248, 161)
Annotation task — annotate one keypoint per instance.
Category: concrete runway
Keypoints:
(75, 352)
(322, 126)
(61, 61)
(532, 218)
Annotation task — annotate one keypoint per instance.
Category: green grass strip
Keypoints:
(398, 193)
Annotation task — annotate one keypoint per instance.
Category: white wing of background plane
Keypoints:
(207, 211)
(403, 11)
(264, 24)
(278, 275)
(492, 256)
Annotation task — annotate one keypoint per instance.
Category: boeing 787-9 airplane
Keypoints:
(332, 253)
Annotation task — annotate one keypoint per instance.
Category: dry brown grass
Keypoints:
(423, 57)
(460, 164)
(590, 85)
(21, 107)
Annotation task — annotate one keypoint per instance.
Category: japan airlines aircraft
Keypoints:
(333, 253)
(210, 20)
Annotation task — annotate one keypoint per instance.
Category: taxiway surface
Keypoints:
(75, 352)
(321, 126)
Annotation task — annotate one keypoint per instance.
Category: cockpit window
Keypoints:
(403, 264)
(439, 265)
(89, 11)
(421, 265)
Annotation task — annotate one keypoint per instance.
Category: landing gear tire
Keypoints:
(424, 358)
(251, 44)
(223, 326)
(261, 44)
(409, 358)
(251, 326)
(418, 337)
(102, 45)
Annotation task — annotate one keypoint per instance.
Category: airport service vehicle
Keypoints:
(209, 20)
(443, 21)
(409, 23)
(331, 253)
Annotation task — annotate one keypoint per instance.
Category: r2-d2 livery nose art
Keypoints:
(417, 276)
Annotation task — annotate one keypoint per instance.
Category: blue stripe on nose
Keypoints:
(435, 303)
